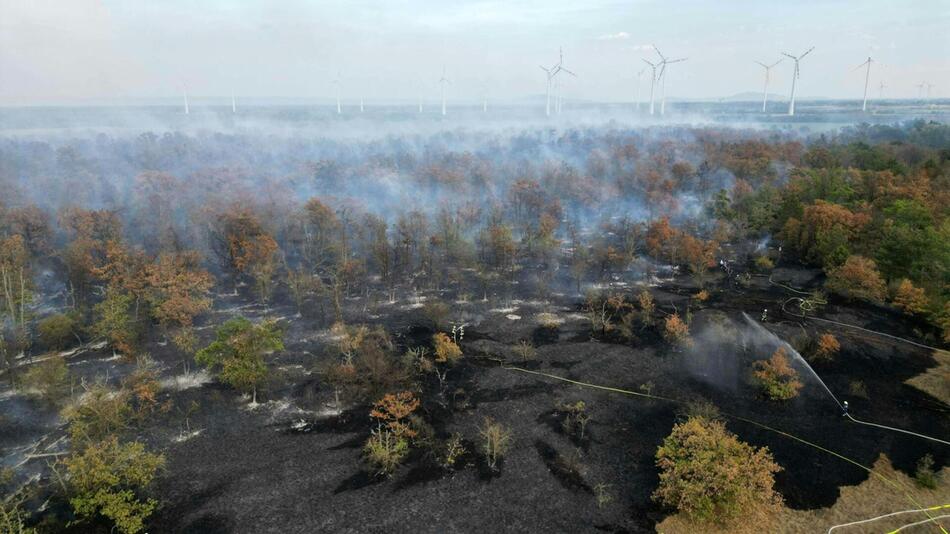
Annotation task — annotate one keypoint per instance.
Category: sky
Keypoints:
(74, 51)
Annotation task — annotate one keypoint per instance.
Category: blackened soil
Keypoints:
(298, 469)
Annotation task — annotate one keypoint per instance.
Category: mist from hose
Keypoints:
(767, 333)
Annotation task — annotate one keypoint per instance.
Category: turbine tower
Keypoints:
(880, 91)
(336, 82)
(233, 105)
(867, 80)
(184, 90)
(442, 81)
(547, 89)
(663, 63)
(652, 82)
(920, 90)
(765, 91)
(791, 102)
(361, 104)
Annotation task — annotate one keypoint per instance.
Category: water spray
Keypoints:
(843, 406)
(894, 484)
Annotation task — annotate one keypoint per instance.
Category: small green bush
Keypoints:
(575, 419)
(109, 479)
(496, 440)
(603, 495)
(764, 263)
(525, 351)
(50, 378)
(384, 451)
(925, 475)
(57, 331)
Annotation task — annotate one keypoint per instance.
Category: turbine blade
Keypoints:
(806, 52)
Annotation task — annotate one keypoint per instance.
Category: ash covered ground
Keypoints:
(534, 251)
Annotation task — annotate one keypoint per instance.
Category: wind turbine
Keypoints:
(663, 63)
(920, 90)
(652, 82)
(880, 91)
(791, 102)
(867, 80)
(547, 90)
(765, 91)
(361, 104)
(442, 81)
(336, 81)
(559, 68)
(184, 90)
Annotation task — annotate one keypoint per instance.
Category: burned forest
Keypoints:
(573, 328)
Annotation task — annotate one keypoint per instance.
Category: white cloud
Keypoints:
(614, 36)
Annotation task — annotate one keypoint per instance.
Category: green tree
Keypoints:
(238, 351)
(57, 331)
(910, 245)
(115, 322)
(109, 479)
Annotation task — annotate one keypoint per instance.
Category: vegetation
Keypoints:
(388, 445)
(778, 380)
(496, 440)
(12, 521)
(576, 419)
(676, 331)
(393, 411)
(603, 495)
(925, 475)
(137, 255)
(827, 347)
(109, 479)
(50, 378)
(858, 279)
(58, 331)
(525, 351)
(910, 299)
(446, 350)
(711, 476)
(238, 351)
(384, 451)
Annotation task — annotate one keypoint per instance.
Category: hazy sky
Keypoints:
(59, 51)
